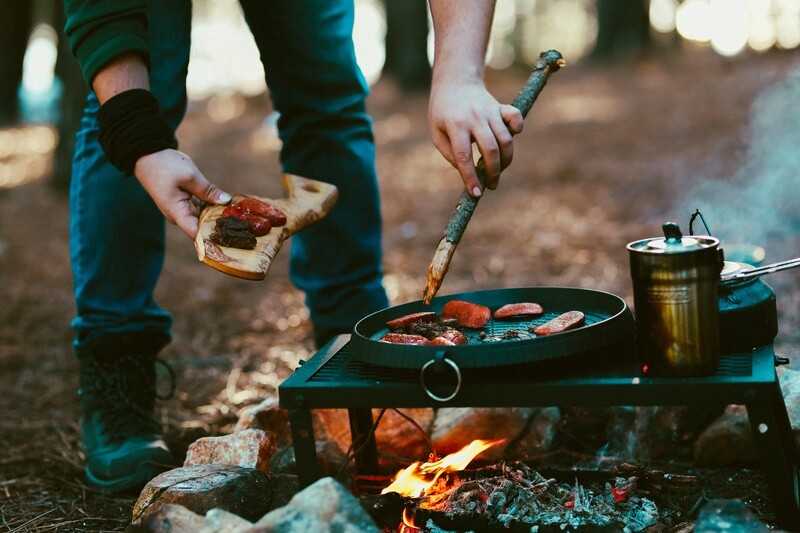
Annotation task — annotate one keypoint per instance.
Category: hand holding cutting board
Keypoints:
(307, 202)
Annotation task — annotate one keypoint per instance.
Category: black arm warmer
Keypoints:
(132, 126)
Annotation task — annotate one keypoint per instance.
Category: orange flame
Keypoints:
(408, 523)
(415, 480)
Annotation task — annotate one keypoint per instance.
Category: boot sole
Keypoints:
(135, 481)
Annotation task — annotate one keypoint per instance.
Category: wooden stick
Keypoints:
(548, 63)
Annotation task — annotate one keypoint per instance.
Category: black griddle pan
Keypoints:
(609, 321)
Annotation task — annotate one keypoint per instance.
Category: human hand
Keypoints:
(172, 180)
(460, 114)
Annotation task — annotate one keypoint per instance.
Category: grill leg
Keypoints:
(773, 435)
(366, 460)
(305, 447)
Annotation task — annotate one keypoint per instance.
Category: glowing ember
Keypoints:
(415, 480)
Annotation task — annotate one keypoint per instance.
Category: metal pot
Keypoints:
(748, 314)
(675, 281)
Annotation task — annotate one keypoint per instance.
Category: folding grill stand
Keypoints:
(334, 379)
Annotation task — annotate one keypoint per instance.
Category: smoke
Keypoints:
(761, 202)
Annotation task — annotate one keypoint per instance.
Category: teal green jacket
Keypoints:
(99, 30)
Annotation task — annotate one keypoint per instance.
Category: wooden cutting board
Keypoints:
(307, 202)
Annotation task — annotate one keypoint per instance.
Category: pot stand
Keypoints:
(333, 379)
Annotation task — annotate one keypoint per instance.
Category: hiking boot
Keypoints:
(121, 437)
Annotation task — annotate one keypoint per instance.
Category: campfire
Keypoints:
(594, 365)
(418, 479)
(441, 495)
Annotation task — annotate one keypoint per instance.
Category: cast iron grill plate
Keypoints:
(609, 322)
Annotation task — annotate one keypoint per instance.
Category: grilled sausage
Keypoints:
(257, 225)
(404, 338)
(568, 320)
(468, 314)
(521, 309)
(441, 341)
(255, 206)
(407, 320)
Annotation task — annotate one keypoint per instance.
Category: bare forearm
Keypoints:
(124, 72)
(461, 111)
(461, 37)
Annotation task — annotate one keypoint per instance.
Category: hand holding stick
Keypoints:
(548, 63)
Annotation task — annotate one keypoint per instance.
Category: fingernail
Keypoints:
(476, 192)
(224, 198)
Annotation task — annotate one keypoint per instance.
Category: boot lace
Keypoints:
(122, 391)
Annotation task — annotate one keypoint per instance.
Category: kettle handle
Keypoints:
(767, 269)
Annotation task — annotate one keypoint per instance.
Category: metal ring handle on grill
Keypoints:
(440, 357)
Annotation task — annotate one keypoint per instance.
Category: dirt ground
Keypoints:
(608, 154)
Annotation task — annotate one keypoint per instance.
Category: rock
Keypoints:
(726, 516)
(252, 448)
(728, 440)
(398, 437)
(395, 436)
(790, 387)
(168, 518)
(538, 437)
(333, 425)
(245, 492)
(322, 506)
(221, 521)
(456, 427)
(284, 488)
(267, 416)
(329, 459)
(174, 518)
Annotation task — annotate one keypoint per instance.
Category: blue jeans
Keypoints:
(117, 235)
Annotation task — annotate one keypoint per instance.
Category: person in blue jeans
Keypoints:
(129, 177)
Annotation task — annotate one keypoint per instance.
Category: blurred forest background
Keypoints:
(665, 106)
(40, 83)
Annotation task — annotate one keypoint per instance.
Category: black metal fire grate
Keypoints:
(334, 379)
(342, 370)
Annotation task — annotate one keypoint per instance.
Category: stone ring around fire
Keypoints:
(437, 360)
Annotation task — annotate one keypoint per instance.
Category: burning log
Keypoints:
(509, 497)
(385, 509)
(655, 480)
(518, 498)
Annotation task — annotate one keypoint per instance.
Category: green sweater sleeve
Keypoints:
(99, 30)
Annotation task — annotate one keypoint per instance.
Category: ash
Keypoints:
(518, 495)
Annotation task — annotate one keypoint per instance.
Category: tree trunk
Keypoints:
(70, 108)
(15, 29)
(407, 44)
(623, 29)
